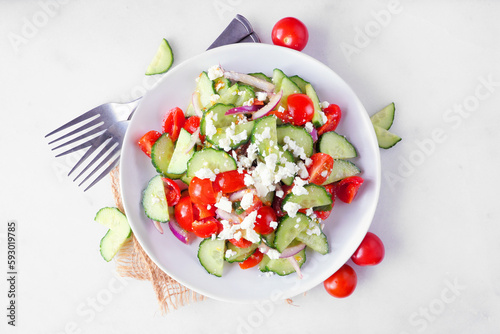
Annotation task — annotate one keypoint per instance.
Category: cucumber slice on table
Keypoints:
(341, 169)
(154, 200)
(162, 60)
(337, 146)
(288, 229)
(385, 117)
(284, 267)
(216, 160)
(119, 231)
(211, 255)
(385, 138)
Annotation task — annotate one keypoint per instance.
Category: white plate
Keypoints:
(347, 224)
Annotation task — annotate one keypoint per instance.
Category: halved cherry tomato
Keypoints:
(192, 124)
(184, 213)
(323, 214)
(201, 191)
(241, 242)
(370, 252)
(347, 188)
(284, 115)
(172, 191)
(201, 211)
(342, 283)
(173, 121)
(146, 142)
(265, 215)
(320, 168)
(333, 115)
(290, 32)
(230, 181)
(204, 228)
(253, 260)
(300, 108)
(330, 188)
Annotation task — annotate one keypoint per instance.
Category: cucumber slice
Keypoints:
(119, 231)
(288, 229)
(269, 239)
(241, 254)
(179, 159)
(264, 135)
(261, 75)
(385, 117)
(161, 153)
(211, 255)
(288, 87)
(316, 196)
(215, 160)
(283, 267)
(385, 138)
(289, 157)
(162, 60)
(278, 76)
(263, 264)
(229, 96)
(245, 93)
(317, 118)
(301, 83)
(299, 135)
(205, 87)
(341, 169)
(221, 85)
(222, 134)
(318, 243)
(337, 146)
(268, 199)
(154, 200)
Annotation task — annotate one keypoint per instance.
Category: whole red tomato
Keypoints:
(342, 283)
(291, 33)
(370, 252)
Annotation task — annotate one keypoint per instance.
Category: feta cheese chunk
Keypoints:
(224, 204)
(291, 208)
(205, 173)
(215, 72)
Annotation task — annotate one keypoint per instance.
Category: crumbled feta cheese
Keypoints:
(273, 254)
(273, 224)
(210, 128)
(227, 230)
(214, 98)
(261, 96)
(279, 193)
(248, 224)
(237, 235)
(309, 127)
(247, 200)
(323, 117)
(308, 162)
(230, 253)
(248, 179)
(297, 151)
(242, 136)
(224, 204)
(281, 109)
(291, 208)
(303, 173)
(205, 173)
(225, 144)
(313, 229)
(215, 72)
(249, 102)
(298, 188)
(324, 104)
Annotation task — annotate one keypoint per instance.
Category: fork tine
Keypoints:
(76, 148)
(108, 145)
(83, 136)
(95, 143)
(74, 121)
(105, 172)
(81, 128)
(107, 158)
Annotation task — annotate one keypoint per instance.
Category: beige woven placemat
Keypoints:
(132, 261)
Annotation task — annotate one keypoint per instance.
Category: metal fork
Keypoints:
(106, 124)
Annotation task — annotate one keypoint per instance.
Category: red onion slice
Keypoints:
(157, 224)
(195, 101)
(314, 134)
(295, 266)
(250, 80)
(236, 196)
(178, 231)
(242, 110)
(291, 251)
(273, 102)
(227, 216)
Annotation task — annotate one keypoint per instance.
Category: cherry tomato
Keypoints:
(184, 213)
(342, 283)
(284, 115)
(320, 168)
(173, 121)
(146, 142)
(370, 252)
(201, 191)
(204, 228)
(330, 188)
(323, 214)
(230, 181)
(241, 242)
(172, 191)
(333, 115)
(300, 108)
(201, 211)
(265, 215)
(252, 261)
(291, 33)
(192, 124)
(347, 188)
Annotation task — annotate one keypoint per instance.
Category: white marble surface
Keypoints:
(438, 213)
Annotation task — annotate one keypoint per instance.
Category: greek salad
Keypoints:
(252, 167)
